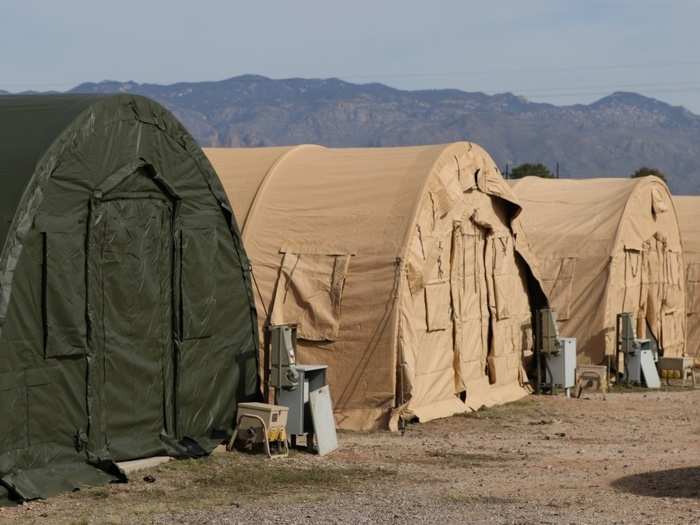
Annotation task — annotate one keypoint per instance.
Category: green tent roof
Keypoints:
(29, 124)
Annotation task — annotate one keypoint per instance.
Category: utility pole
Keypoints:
(557, 170)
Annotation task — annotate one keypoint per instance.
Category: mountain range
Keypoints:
(608, 138)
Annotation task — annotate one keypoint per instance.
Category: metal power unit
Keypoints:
(639, 355)
(556, 354)
(301, 388)
(261, 423)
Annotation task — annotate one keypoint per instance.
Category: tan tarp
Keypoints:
(400, 266)
(688, 209)
(606, 246)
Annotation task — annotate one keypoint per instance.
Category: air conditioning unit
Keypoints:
(639, 355)
(557, 355)
(561, 366)
(303, 389)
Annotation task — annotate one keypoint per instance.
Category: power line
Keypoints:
(636, 85)
(517, 69)
(545, 94)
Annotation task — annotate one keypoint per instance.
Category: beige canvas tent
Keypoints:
(688, 209)
(400, 266)
(606, 246)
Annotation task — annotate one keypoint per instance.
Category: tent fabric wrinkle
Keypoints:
(114, 344)
(405, 270)
(688, 209)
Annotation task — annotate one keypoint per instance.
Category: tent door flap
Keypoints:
(130, 278)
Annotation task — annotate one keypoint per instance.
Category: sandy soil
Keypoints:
(632, 457)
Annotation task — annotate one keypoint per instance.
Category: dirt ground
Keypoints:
(632, 457)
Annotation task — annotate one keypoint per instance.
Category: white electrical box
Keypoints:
(561, 366)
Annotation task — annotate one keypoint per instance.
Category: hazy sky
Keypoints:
(555, 51)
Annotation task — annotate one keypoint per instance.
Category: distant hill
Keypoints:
(610, 137)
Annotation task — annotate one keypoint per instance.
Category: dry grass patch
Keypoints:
(522, 408)
(222, 480)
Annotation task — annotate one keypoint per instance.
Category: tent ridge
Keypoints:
(639, 184)
(31, 200)
(265, 182)
(401, 260)
(419, 199)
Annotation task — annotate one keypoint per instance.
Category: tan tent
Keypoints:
(400, 267)
(688, 209)
(606, 246)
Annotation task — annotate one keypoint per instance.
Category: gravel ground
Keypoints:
(632, 457)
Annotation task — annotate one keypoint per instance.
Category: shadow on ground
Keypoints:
(674, 483)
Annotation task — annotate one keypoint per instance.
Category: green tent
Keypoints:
(127, 322)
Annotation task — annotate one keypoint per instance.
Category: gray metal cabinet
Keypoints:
(311, 377)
